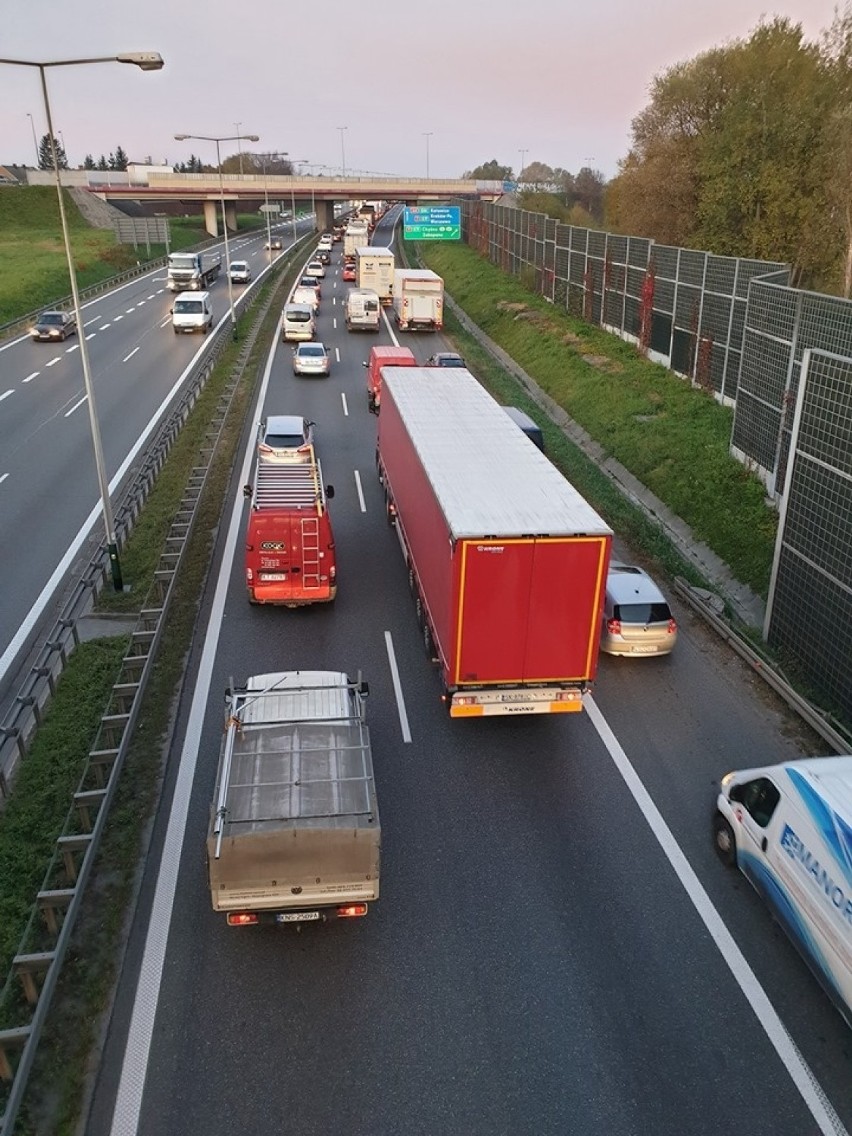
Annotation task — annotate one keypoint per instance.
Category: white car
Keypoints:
(315, 268)
(311, 359)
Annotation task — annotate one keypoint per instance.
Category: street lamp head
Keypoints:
(251, 137)
(181, 137)
(145, 60)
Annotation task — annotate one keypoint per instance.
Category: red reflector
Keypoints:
(242, 918)
(672, 627)
(351, 910)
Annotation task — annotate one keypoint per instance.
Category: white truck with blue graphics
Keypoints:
(789, 829)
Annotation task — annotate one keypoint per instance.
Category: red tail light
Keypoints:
(672, 628)
(351, 910)
(242, 919)
(613, 626)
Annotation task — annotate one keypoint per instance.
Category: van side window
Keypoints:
(759, 798)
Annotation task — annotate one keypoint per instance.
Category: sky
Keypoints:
(451, 83)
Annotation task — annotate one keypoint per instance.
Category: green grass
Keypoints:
(32, 252)
(673, 438)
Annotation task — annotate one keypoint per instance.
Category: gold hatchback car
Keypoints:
(637, 619)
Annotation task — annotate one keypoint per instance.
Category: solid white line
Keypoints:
(6, 394)
(76, 406)
(359, 489)
(166, 321)
(3, 477)
(345, 404)
(802, 1077)
(130, 356)
(53, 362)
(94, 319)
(128, 1104)
(30, 378)
(397, 689)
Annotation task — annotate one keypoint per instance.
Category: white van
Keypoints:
(305, 295)
(192, 311)
(297, 323)
(362, 309)
(789, 829)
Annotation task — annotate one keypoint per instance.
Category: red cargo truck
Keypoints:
(290, 557)
(383, 356)
(506, 560)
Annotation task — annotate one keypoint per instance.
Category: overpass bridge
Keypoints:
(250, 191)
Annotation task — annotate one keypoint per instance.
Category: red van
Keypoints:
(384, 357)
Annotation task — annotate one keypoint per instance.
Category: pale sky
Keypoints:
(559, 80)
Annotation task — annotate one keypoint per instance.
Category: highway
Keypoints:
(556, 948)
(49, 495)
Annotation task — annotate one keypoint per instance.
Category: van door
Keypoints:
(754, 805)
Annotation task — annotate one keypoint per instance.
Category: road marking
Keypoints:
(130, 356)
(71, 350)
(166, 321)
(153, 294)
(103, 325)
(115, 319)
(129, 310)
(334, 322)
(76, 406)
(53, 362)
(337, 354)
(128, 1103)
(345, 407)
(30, 378)
(3, 477)
(94, 319)
(6, 394)
(397, 689)
(800, 1074)
(91, 335)
(141, 304)
(360, 491)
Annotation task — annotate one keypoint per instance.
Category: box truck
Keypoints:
(788, 828)
(294, 833)
(506, 560)
(418, 299)
(383, 356)
(374, 268)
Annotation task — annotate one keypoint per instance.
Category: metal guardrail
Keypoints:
(61, 895)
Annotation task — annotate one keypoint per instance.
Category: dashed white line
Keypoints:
(130, 356)
(397, 689)
(166, 321)
(76, 406)
(359, 490)
(153, 294)
(103, 325)
(337, 354)
(91, 335)
(6, 394)
(30, 378)
(129, 310)
(345, 406)
(53, 362)
(71, 350)
(115, 319)
(3, 477)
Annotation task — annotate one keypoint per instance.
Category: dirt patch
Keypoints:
(509, 306)
(571, 339)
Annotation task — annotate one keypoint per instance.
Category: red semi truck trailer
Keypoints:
(506, 560)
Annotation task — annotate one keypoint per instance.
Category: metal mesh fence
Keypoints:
(810, 605)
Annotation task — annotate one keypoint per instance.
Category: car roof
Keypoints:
(285, 424)
(626, 583)
(239, 263)
(309, 346)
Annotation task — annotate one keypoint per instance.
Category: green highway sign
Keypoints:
(432, 223)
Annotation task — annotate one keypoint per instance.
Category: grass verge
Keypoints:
(670, 436)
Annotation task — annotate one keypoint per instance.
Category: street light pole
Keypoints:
(427, 134)
(35, 140)
(217, 140)
(523, 154)
(342, 149)
(147, 61)
(239, 146)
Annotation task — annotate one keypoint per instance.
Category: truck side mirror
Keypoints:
(329, 491)
(248, 490)
(365, 364)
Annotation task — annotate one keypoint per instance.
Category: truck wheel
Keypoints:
(418, 611)
(412, 580)
(725, 841)
(428, 643)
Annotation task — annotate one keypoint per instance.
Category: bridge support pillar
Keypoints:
(211, 217)
(231, 216)
(325, 216)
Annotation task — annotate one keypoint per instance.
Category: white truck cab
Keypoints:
(192, 311)
(788, 828)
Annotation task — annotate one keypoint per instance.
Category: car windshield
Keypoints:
(52, 319)
(643, 613)
(297, 317)
(309, 281)
(284, 441)
(311, 349)
(188, 306)
(239, 266)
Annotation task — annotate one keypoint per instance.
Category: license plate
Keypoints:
(273, 577)
(644, 650)
(296, 916)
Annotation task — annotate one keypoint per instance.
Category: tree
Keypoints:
(88, 162)
(45, 155)
(490, 171)
(538, 174)
(118, 159)
(102, 163)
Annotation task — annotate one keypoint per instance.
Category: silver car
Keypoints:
(311, 359)
(285, 439)
(637, 619)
